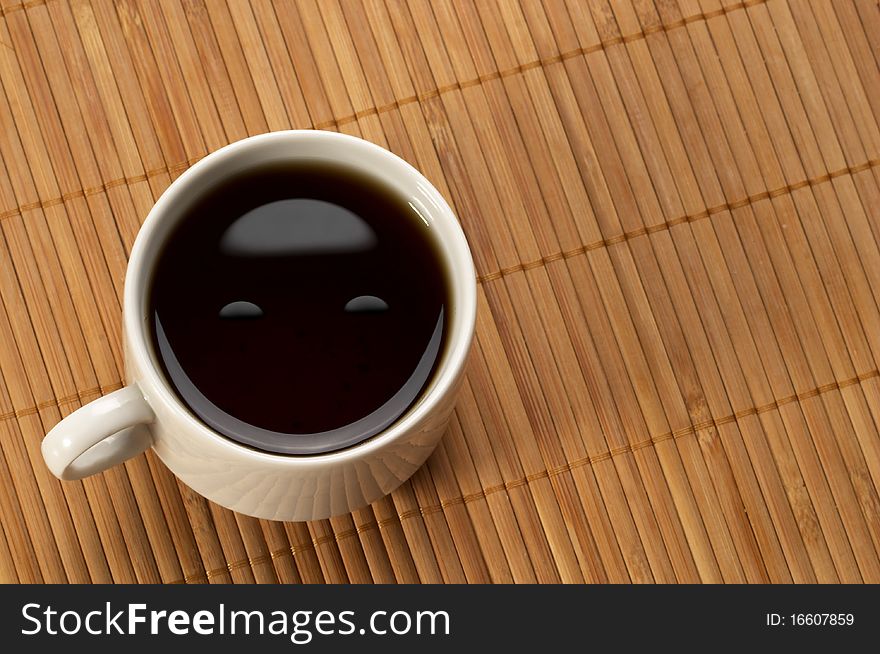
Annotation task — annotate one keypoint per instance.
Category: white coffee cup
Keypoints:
(147, 413)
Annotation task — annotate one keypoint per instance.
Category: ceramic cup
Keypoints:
(147, 413)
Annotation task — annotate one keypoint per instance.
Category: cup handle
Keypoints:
(99, 435)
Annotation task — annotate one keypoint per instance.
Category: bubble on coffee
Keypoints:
(241, 311)
(366, 304)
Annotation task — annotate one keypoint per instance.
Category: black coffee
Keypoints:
(299, 308)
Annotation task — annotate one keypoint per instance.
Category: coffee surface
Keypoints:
(299, 308)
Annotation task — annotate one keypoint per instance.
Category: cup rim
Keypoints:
(452, 243)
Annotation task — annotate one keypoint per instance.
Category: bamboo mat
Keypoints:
(674, 207)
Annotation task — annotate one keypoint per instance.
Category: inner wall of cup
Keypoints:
(374, 162)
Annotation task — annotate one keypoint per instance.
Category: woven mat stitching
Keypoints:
(372, 111)
(549, 258)
(484, 493)
(668, 224)
(5, 11)
(543, 474)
